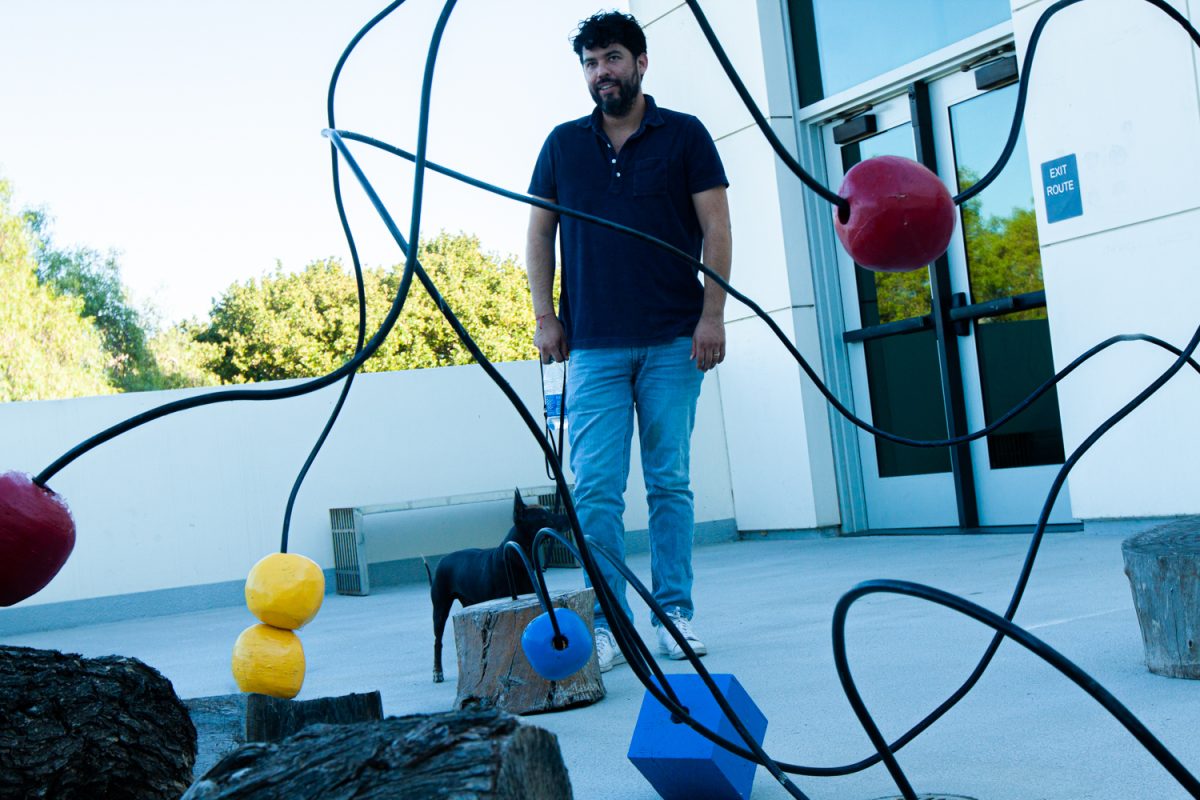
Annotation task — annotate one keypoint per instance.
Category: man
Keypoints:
(639, 326)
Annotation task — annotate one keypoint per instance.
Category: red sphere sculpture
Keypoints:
(901, 214)
(37, 535)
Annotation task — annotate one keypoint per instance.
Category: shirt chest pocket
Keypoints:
(650, 177)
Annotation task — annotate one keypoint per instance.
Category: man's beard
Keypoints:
(619, 104)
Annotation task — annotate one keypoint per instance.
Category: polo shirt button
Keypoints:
(614, 161)
(618, 174)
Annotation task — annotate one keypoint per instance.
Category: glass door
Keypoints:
(947, 348)
(999, 303)
(894, 356)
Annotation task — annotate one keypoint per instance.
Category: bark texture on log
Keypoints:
(493, 670)
(226, 722)
(269, 719)
(1163, 565)
(465, 755)
(73, 727)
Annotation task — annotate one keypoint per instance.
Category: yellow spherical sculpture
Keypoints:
(285, 590)
(269, 661)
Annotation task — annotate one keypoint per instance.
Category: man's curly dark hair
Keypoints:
(609, 27)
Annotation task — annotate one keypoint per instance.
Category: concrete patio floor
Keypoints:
(764, 607)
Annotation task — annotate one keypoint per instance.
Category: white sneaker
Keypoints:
(667, 644)
(607, 652)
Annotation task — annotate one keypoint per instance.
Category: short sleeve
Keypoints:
(544, 182)
(704, 168)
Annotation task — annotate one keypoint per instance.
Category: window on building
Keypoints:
(841, 43)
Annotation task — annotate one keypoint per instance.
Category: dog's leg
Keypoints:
(439, 623)
(440, 613)
(439, 591)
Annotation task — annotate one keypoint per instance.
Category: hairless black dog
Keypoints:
(477, 575)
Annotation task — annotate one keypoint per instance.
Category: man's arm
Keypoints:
(539, 264)
(708, 341)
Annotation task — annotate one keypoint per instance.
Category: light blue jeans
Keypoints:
(605, 388)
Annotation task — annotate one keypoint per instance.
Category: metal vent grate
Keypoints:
(349, 559)
(557, 555)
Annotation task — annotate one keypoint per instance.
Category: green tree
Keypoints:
(901, 295)
(47, 349)
(292, 325)
(1003, 259)
(95, 278)
(1003, 254)
(179, 360)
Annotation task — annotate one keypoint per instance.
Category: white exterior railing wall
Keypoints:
(197, 497)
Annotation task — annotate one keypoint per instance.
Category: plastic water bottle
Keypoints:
(553, 378)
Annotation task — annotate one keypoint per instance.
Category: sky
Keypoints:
(186, 136)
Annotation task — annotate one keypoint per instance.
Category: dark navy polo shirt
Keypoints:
(618, 291)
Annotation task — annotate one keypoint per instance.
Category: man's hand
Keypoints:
(708, 342)
(550, 340)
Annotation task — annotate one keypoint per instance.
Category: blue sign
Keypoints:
(1060, 178)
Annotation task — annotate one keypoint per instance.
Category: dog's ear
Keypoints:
(518, 506)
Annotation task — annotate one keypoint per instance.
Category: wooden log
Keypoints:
(466, 755)
(74, 727)
(1163, 565)
(226, 722)
(269, 719)
(493, 670)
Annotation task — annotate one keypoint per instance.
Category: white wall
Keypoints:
(780, 459)
(1115, 83)
(198, 497)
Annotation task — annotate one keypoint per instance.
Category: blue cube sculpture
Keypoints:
(680, 763)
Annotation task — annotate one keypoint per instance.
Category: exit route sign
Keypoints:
(1060, 182)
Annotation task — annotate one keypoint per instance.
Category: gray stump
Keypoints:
(493, 670)
(1163, 565)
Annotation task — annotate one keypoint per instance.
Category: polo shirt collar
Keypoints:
(652, 118)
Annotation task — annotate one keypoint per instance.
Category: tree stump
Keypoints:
(74, 727)
(269, 719)
(493, 670)
(465, 755)
(1163, 565)
(225, 722)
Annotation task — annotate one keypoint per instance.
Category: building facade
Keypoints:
(1088, 232)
